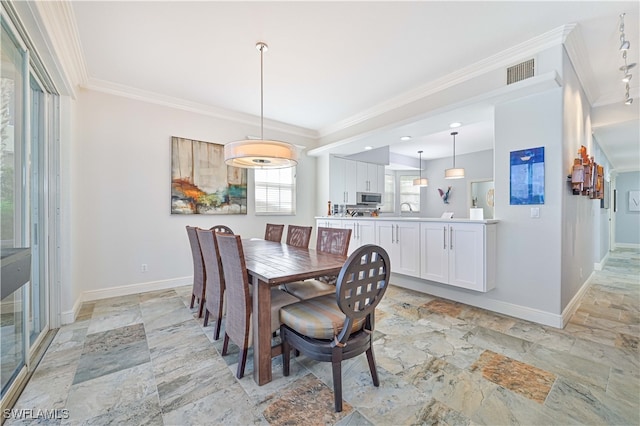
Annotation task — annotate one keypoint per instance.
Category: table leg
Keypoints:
(261, 318)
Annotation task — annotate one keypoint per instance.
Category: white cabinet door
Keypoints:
(350, 180)
(466, 256)
(407, 252)
(434, 251)
(457, 254)
(370, 177)
(401, 241)
(362, 173)
(337, 170)
(362, 232)
(342, 180)
(328, 223)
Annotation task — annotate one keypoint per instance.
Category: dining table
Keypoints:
(270, 264)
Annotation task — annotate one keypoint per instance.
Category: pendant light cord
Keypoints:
(261, 93)
(454, 148)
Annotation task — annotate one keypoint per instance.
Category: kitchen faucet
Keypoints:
(408, 205)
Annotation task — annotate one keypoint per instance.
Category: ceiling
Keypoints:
(329, 62)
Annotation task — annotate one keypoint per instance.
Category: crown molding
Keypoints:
(59, 23)
(577, 52)
(505, 58)
(121, 90)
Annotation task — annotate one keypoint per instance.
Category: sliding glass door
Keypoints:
(24, 138)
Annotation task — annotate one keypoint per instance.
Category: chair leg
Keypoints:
(201, 308)
(193, 299)
(206, 317)
(336, 366)
(372, 366)
(286, 353)
(216, 335)
(225, 345)
(242, 361)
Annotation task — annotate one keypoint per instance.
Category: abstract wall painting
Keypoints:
(527, 176)
(201, 182)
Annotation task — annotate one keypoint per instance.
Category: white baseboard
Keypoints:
(70, 316)
(572, 306)
(462, 296)
(626, 245)
(597, 266)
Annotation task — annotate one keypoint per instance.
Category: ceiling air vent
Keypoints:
(521, 71)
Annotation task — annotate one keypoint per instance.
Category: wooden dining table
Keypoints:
(270, 264)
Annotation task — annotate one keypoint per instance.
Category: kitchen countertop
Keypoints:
(408, 219)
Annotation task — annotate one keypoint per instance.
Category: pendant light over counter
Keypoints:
(454, 173)
(260, 153)
(421, 181)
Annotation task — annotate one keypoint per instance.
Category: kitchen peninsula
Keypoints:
(455, 252)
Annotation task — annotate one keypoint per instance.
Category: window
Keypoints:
(275, 191)
(409, 193)
(389, 196)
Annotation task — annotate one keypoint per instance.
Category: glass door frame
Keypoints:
(46, 193)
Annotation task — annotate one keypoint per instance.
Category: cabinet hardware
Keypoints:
(444, 237)
(451, 238)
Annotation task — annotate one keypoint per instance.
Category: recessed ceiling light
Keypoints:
(368, 147)
(405, 138)
(454, 125)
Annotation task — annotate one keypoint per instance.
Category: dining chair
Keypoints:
(199, 273)
(238, 316)
(339, 326)
(223, 229)
(329, 240)
(273, 232)
(214, 284)
(299, 236)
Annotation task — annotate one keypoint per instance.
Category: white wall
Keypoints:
(121, 176)
(477, 165)
(579, 224)
(627, 222)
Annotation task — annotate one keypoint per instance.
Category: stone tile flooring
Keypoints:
(145, 359)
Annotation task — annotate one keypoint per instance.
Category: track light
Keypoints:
(624, 47)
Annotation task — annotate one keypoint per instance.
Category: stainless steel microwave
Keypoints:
(368, 198)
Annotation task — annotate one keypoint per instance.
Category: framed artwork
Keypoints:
(634, 201)
(201, 182)
(605, 202)
(527, 176)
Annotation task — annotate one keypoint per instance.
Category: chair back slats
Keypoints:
(199, 274)
(333, 240)
(299, 236)
(214, 288)
(362, 282)
(222, 229)
(237, 288)
(273, 232)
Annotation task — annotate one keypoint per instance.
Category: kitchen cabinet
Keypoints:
(342, 180)
(362, 232)
(458, 254)
(401, 240)
(329, 223)
(370, 177)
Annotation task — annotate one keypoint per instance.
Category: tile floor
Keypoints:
(145, 359)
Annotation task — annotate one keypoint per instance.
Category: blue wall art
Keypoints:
(527, 176)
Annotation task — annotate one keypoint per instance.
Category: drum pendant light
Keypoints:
(421, 181)
(454, 173)
(260, 153)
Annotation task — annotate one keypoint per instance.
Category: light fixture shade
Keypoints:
(454, 173)
(627, 78)
(628, 101)
(260, 154)
(624, 45)
(421, 182)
